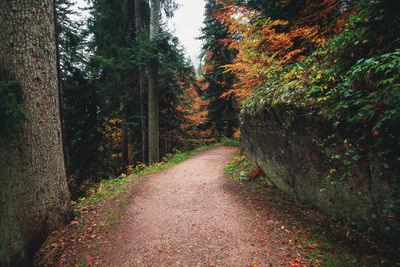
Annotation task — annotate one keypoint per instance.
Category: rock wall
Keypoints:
(285, 143)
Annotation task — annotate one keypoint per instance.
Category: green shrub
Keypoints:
(234, 142)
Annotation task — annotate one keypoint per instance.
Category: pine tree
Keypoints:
(113, 25)
(139, 25)
(222, 112)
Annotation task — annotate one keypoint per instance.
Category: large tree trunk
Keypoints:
(153, 86)
(141, 83)
(34, 197)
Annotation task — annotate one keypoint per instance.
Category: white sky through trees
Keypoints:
(185, 24)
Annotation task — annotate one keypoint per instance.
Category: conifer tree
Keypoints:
(222, 112)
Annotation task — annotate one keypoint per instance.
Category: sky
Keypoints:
(185, 24)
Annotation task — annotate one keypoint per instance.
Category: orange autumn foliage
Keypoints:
(265, 46)
(195, 110)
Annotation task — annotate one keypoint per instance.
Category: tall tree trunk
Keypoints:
(34, 197)
(141, 83)
(166, 136)
(143, 123)
(154, 150)
(124, 138)
(61, 94)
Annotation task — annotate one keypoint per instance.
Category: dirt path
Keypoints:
(187, 216)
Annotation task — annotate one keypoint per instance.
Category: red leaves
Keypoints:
(364, 120)
(313, 157)
(256, 173)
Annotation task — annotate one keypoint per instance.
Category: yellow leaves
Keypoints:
(116, 155)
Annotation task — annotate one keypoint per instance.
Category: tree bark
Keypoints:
(154, 151)
(34, 197)
(125, 150)
(141, 83)
(61, 93)
(143, 124)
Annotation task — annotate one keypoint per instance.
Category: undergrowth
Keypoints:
(233, 142)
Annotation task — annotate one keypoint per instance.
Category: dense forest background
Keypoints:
(105, 75)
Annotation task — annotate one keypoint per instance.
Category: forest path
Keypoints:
(189, 215)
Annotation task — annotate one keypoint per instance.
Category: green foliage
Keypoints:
(367, 100)
(233, 142)
(238, 164)
(12, 115)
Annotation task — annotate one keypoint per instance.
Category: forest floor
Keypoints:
(189, 215)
